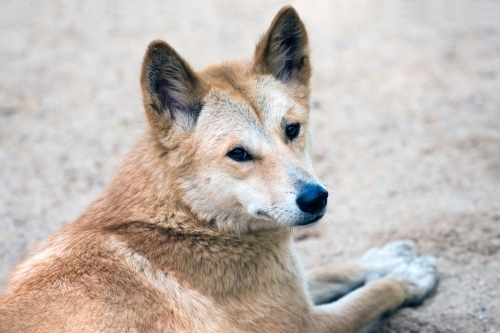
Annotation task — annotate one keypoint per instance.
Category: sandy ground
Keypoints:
(405, 106)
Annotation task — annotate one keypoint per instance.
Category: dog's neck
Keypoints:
(139, 191)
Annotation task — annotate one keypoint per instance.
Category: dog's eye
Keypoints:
(292, 131)
(239, 155)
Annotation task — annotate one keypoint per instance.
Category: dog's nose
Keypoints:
(312, 199)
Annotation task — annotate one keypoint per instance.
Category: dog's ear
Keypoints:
(172, 92)
(284, 50)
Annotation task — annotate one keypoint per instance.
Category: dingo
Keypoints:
(193, 234)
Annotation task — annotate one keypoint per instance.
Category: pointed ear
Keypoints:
(284, 50)
(172, 92)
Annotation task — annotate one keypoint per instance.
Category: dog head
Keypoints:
(236, 136)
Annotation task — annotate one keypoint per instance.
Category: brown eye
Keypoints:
(240, 155)
(292, 131)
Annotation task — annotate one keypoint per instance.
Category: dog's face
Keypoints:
(240, 131)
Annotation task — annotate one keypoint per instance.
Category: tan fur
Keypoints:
(187, 239)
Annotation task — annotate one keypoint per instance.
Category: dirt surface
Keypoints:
(405, 106)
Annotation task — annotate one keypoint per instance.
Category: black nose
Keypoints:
(312, 198)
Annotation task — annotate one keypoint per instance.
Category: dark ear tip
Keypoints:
(289, 20)
(288, 9)
(288, 12)
(159, 46)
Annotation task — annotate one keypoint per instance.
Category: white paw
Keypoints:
(382, 261)
(420, 278)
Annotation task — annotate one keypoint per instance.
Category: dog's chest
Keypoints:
(247, 282)
(249, 286)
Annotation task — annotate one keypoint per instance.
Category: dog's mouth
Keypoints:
(310, 221)
(306, 221)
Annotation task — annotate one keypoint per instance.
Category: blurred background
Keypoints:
(405, 107)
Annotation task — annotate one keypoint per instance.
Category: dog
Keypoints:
(194, 232)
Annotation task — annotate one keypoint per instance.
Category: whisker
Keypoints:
(321, 143)
(319, 127)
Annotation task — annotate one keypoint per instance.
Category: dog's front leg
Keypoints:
(329, 283)
(405, 284)
(360, 308)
